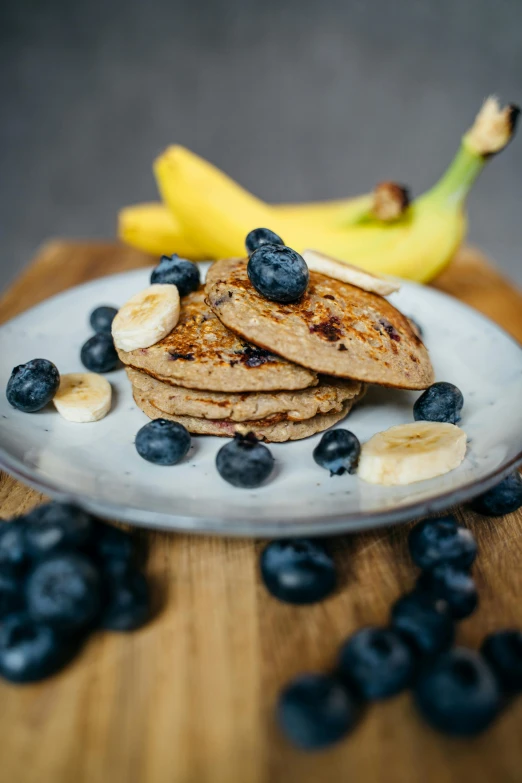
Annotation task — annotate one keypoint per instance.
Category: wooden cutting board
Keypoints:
(190, 698)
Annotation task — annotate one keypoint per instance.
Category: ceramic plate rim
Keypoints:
(312, 526)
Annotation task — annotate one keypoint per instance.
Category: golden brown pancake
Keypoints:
(201, 353)
(275, 429)
(335, 328)
(328, 396)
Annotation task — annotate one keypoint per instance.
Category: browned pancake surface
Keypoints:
(201, 353)
(335, 328)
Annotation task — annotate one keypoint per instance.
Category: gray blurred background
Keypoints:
(297, 99)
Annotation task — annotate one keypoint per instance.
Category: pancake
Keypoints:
(328, 396)
(275, 429)
(334, 329)
(201, 353)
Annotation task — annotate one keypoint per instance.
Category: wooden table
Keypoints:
(189, 699)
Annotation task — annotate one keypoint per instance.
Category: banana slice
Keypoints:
(341, 270)
(146, 318)
(412, 452)
(83, 397)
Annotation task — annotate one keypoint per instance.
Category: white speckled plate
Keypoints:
(97, 465)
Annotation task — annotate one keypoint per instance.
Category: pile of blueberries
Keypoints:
(458, 691)
(63, 575)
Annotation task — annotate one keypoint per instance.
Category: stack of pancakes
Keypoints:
(238, 363)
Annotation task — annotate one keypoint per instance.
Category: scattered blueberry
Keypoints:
(56, 526)
(31, 651)
(98, 354)
(101, 319)
(115, 547)
(458, 693)
(278, 273)
(442, 540)
(163, 442)
(261, 236)
(11, 591)
(12, 545)
(244, 462)
(64, 591)
(424, 622)
(298, 571)
(441, 402)
(177, 271)
(316, 710)
(377, 663)
(503, 652)
(32, 385)
(338, 451)
(453, 585)
(126, 604)
(502, 499)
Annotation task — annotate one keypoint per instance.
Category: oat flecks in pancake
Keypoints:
(272, 430)
(201, 353)
(328, 396)
(335, 328)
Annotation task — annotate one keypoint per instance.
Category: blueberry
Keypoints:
(101, 319)
(177, 271)
(502, 499)
(32, 385)
(163, 442)
(278, 273)
(458, 693)
(244, 462)
(441, 402)
(377, 663)
(424, 622)
(442, 540)
(503, 652)
(261, 236)
(338, 451)
(98, 354)
(316, 710)
(126, 604)
(114, 547)
(31, 651)
(57, 526)
(298, 571)
(64, 591)
(11, 591)
(12, 545)
(453, 585)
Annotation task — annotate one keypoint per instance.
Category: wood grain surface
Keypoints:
(189, 699)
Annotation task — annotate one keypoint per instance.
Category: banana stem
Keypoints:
(492, 130)
(454, 185)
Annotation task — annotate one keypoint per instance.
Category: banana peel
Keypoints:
(206, 214)
(153, 228)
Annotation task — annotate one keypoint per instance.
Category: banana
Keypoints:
(83, 397)
(412, 452)
(347, 273)
(146, 318)
(152, 228)
(418, 244)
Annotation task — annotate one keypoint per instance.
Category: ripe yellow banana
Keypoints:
(210, 214)
(219, 212)
(153, 228)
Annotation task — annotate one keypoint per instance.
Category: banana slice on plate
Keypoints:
(412, 452)
(83, 397)
(146, 318)
(347, 273)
